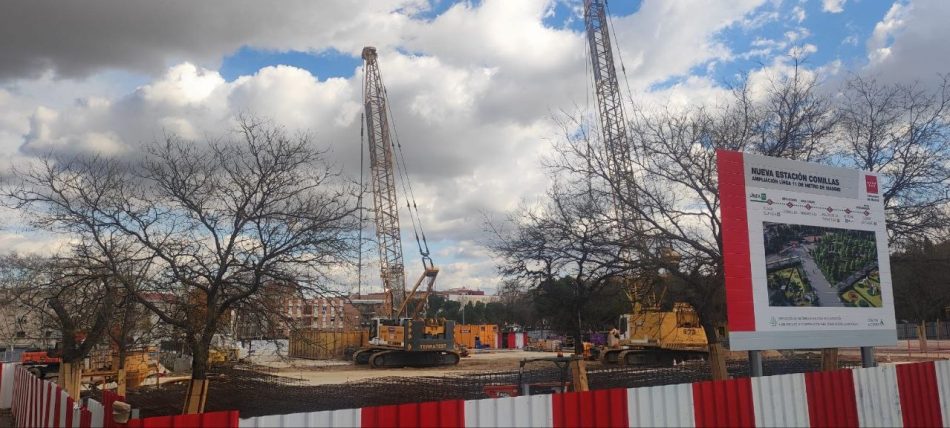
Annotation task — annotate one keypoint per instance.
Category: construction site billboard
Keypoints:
(805, 253)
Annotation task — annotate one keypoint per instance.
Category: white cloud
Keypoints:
(473, 90)
(833, 6)
(81, 38)
(798, 12)
(910, 42)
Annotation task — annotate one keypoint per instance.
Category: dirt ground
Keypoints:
(324, 373)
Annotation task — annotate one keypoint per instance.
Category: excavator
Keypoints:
(648, 334)
(402, 337)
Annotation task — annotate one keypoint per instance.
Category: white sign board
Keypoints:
(805, 252)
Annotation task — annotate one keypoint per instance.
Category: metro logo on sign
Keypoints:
(871, 182)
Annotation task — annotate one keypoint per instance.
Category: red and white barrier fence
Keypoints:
(512, 340)
(39, 403)
(893, 395)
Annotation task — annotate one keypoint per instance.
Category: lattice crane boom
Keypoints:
(382, 167)
(616, 143)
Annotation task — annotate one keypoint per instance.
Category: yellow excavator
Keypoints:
(650, 336)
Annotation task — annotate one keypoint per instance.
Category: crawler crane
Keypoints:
(401, 337)
(648, 334)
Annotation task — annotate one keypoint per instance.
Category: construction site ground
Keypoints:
(336, 372)
(292, 386)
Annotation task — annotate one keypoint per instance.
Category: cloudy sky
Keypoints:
(474, 86)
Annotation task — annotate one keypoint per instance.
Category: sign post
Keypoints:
(805, 252)
(755, 363)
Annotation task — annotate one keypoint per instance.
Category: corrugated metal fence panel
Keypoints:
(726, 403)
(780, 401)
(97, 412)
(527, 411)
(7, 371)
(432, 414)
(877, 397)
(942, 371)
(226, 419)
(329, 419)
(669, 405)
(831, 399)
(919, 397)
(600, 408)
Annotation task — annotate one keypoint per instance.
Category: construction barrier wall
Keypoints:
(487, 335)
(38, 403)
(325, 345)
(893, 395)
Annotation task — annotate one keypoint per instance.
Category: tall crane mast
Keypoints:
(613, 124)
(392, 270)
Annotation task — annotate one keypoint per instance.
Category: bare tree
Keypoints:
(674, 192)
(902, 131)
(569, 238)
(78, 302)
(216, 223)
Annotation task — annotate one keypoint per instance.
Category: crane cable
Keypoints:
(406, 185)
(623, 68)
(359, 199)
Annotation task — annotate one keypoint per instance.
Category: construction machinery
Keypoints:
(401, 336)
(648, 334)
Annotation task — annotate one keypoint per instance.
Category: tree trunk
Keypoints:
(717, 361)
(579, 375)
(829, 359)
(717, 354)
(70, 378)
(120, 381)
(578, 337)
(922, 335)
(197, 394)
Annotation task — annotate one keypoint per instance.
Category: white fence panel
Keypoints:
(98, 412)
(877, 396)
(670, 405)
(7, 371)
(526, 411)
(780, 401)
(943, 388)
(329, 419)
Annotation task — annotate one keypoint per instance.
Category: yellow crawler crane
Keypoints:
(648, 334)
(401, 337)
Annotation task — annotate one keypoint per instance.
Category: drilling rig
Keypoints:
(400, 337)
(648, 334)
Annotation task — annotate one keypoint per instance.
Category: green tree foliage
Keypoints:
(921, 276)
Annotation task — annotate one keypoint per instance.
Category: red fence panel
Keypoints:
(601, 408)
(109, 397)
(831, 401)
(920, 400)
(226, 419)
(725, 403)
(449, 413)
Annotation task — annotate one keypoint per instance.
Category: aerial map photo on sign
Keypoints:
(821, 266)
